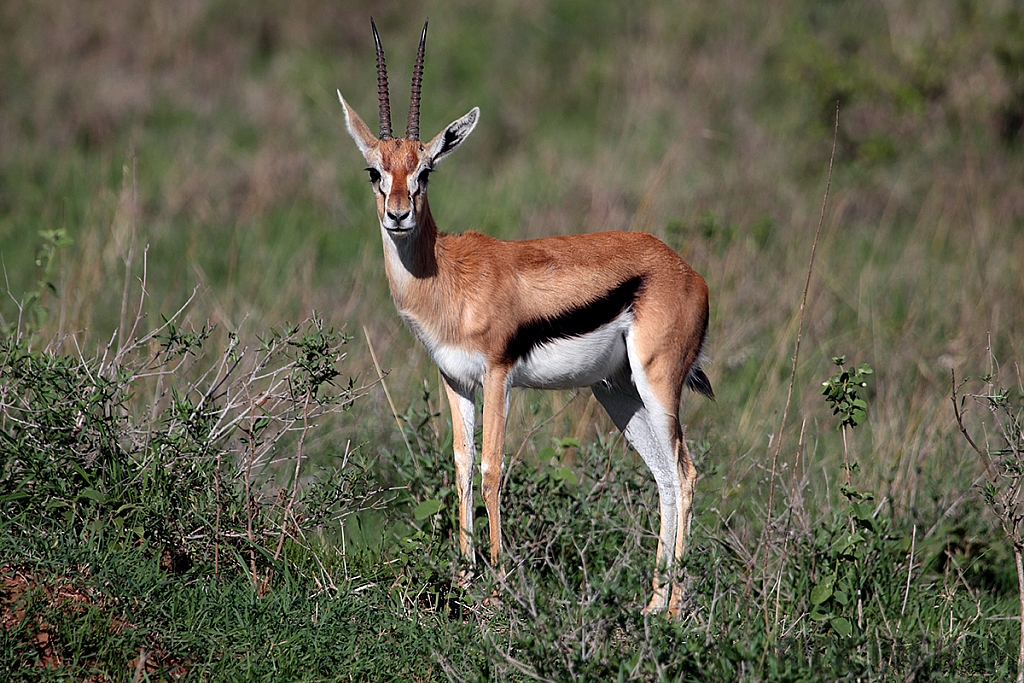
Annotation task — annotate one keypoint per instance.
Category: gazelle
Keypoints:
(619, 312)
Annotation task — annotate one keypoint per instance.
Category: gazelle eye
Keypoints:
(424, 176)
(374, 175)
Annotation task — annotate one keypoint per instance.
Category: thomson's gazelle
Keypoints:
(619, 312)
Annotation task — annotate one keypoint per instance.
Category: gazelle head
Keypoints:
(399, 167)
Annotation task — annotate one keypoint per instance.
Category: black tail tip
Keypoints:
(699, 382)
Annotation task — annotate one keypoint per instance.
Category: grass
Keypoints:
(203, 151)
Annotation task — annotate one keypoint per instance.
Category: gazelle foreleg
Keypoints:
(463, 410)
(495, 412)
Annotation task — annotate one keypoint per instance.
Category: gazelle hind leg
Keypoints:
(687, 480)
(659, 375)
(645, 430)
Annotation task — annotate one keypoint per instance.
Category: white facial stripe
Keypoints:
(396, 203)
(413, 181)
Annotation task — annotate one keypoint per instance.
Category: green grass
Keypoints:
(107, 565)
(192, 626)
(211, 139)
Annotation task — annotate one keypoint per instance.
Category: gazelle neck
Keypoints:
(411, 259)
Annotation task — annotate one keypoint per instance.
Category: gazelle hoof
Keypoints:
(657, 605)
(492, 601)
(464, 578)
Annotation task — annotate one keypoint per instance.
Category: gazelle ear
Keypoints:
(360, 132)
(451, 137)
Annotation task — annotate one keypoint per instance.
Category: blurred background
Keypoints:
(201, 144)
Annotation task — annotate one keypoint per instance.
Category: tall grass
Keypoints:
(208, 139)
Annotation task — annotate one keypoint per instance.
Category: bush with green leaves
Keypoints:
(171, 442)
(1002, 454)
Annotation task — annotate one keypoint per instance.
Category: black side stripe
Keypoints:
(575, 322)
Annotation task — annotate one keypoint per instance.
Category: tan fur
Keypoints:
(462, 277)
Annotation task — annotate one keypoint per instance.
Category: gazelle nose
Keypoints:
(398, 217)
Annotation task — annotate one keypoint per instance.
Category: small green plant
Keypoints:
(32, 309)
(837, 597)
(850, 553)
(842, 392)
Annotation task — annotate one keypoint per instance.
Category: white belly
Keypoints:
(563, 363)
(575, 361)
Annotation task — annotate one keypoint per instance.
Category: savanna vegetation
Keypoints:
(223, 458)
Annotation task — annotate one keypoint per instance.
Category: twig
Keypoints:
(140, 666)
(128, 259)
(796, 355)
(959, 413)
(380, 376)
(216, 521)
(251, 452)
(846, 457)
(295, 479)
(1020, 595)
(800, 326)
(910, 568)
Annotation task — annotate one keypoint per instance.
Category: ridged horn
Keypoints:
(382, 87)
(412, 130)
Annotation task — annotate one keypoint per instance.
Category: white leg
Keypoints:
(647, 431)
(463, 410)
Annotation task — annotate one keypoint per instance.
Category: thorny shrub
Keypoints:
(172, 441)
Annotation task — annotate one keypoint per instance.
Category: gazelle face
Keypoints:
(398, 174)
(399, 167)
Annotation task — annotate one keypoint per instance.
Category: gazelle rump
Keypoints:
(619, 312)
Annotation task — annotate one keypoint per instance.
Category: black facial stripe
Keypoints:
(575, 322)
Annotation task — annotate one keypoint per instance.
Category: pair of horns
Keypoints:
(412, 129)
